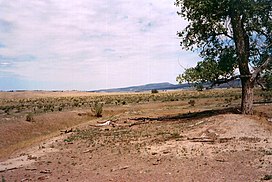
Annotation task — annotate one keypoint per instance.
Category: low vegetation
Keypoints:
(10, 107)
(29, 117)
(154, 91)
(157, 128)
(97, 109)
(192, 102)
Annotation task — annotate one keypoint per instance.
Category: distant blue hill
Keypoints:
(165, 86)
(147, 87)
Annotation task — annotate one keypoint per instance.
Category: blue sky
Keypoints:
(89, 44)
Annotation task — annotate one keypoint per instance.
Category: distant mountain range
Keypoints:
(164, 86)
(147, 87)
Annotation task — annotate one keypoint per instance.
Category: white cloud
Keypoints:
(108, 43)
(5, 63)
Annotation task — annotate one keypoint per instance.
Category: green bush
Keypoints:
(97, 109)
(199, 87)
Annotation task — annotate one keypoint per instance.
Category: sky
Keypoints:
(89, 44)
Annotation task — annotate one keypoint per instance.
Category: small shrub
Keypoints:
(7, 109)
(199, 87)
(3, 179)
(154, 91)
(267, 177)
(69, 139)
(97, 109)
(192, 102)
(236, 97)
(228, 100)
(29, 117)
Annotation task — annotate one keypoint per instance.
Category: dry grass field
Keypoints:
(167, 136)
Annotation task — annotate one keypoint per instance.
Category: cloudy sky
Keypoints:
(89, 44)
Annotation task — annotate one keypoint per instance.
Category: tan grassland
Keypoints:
(167, 136)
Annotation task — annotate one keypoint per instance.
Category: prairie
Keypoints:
(167, 136)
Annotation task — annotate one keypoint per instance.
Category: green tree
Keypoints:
(210, 71)
(229, 34)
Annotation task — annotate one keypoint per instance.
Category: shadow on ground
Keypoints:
(191, 115)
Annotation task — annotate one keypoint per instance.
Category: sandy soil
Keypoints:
(225, 147)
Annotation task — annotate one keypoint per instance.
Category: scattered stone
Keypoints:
(166, 152)
(30, 169)
(87, 151)
(43, 177)
(46, 171)
(25, 179)
(121, 168)
(220, 160)
(157, 162)
(31, 157)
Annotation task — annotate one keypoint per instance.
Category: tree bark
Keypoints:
(241, 40)
(247, 96)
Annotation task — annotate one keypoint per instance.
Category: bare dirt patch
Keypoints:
(226, 147)
(141, 137)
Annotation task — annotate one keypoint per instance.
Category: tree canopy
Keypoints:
(228, 34)
(211, 70)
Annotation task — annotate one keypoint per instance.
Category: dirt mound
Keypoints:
(226, 147)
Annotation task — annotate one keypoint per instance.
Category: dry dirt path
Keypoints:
(226, 147)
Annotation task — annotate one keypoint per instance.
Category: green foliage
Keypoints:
(227, 33)
(267, 177)
(199, 87)
(97, 109)
(210, 24)
(211, 32)
(203, 72)
(208, 71)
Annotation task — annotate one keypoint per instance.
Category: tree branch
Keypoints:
(261, 84)
(260, 31)
(222, 33)
(260, 68)
(226, 80)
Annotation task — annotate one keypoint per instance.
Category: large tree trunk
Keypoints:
(241, 40)
(247, 96)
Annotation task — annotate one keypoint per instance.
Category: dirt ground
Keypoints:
(217, 145)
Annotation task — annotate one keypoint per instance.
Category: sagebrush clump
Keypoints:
(192, 102)
(97, 109)
(154, 91)
(29, 117)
